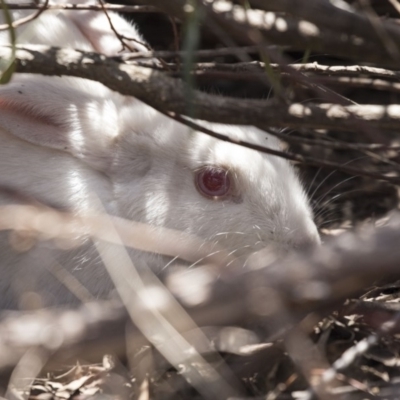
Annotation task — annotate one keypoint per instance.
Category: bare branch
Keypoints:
(309, 68)
(84, 7)
(27, 19)
(245, 25)
(325, 14)
(165, 93)
(134, 234)
(297, 157)
(294, 287)
(199, 53)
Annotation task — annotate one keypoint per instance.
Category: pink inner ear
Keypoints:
(26, 112)
(27, 123)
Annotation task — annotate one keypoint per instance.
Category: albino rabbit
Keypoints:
(62, 139)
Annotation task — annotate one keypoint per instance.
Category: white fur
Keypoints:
(63, 138)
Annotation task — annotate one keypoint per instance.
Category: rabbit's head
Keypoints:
(226, 193)
(64, 138)
(147, 167)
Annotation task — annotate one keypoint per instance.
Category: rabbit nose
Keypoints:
(308, 241)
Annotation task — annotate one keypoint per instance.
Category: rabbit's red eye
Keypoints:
(213, 182)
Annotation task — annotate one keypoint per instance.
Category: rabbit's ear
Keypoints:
(96, 27)
(47, 112)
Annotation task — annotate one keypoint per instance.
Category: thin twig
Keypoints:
(312, 68)
(116, 33)
(27, 19)
(167, 95)
(367, 149)
(302, 283)
(198, 53)
(85, 7)
(289, 156)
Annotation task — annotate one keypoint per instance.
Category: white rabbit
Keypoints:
(63, 138)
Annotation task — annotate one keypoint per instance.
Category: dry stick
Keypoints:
(367, 149)
(334, 144)
(299, 34)
(105, 11)
(84, 7)
(379, 28)
(366, 83)
(362, 83)
(176, 42)
(347, 70)
(140, 236)
(381, 328)
(156, 89)
(395, 4)
(327, 81)
(235, 27)
(286, 31)
(314, 68)
(325, 93)
(101, 4)
(337, 76)
(251, 36)
(249, 70)
(125, 40)
(117, 35)
(104, 329)
(27, 19)
(302, 283)
(290, 156)
(325, 13)
(389, 314)
(167, 95)
(268, 78)
(247, 30)
(163, 326)
(198, 53)
(276, 28)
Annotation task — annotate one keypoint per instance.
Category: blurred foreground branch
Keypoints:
(273, 297)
